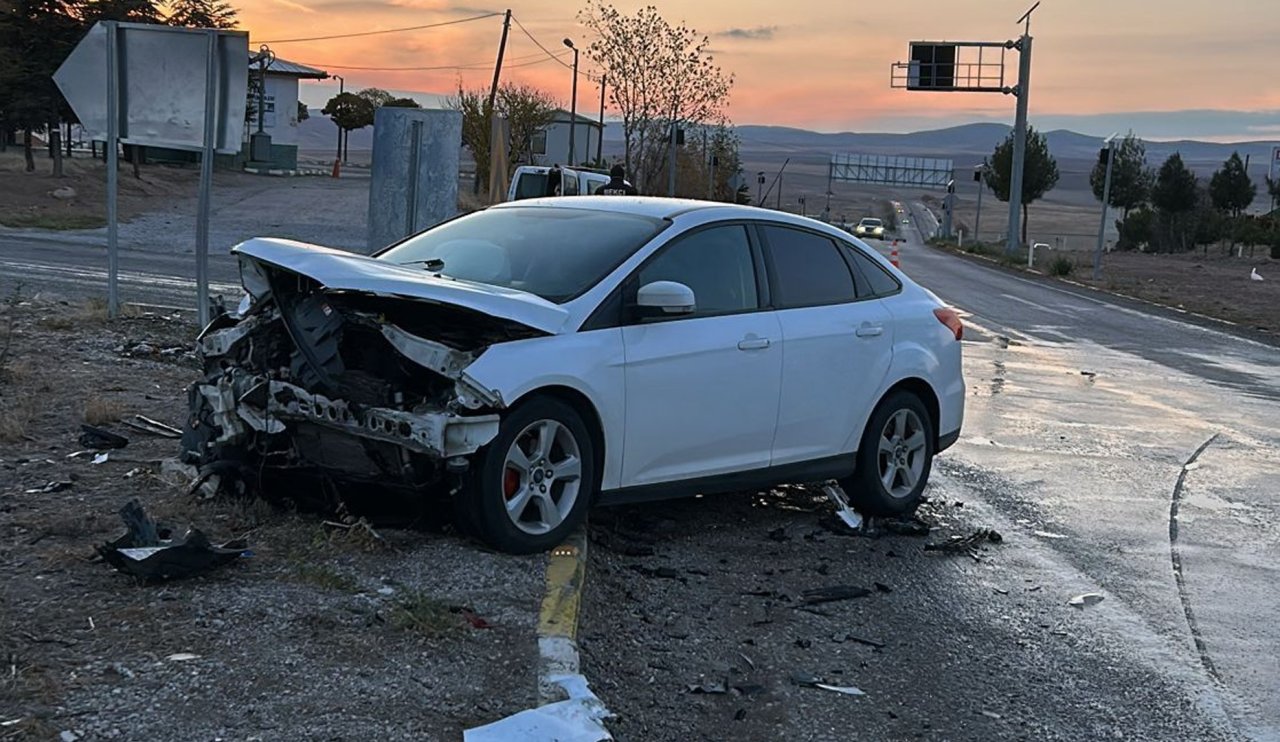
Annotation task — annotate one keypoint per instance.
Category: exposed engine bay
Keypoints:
(357, 386)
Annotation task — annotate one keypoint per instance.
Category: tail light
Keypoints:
(948, 317)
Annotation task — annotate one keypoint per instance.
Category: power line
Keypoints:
(389, 30)
(540, 59)
(539, 43)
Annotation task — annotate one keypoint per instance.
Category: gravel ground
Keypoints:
(944, 647)
(321, 633)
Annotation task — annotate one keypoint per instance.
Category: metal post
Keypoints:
(779, 203)
(948, 206)
(671, 178)
(573, 105)
(1013, 241)
(826, 210)
(600, 134)
(1106, 198)
(113, 178)
(977, 220)
(760, 189)
(206, 178)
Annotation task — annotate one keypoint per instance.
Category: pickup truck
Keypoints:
(530, 181)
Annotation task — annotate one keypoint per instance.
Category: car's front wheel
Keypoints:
(895, 457)
(534, 482)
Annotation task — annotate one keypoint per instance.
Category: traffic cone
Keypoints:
(336, 167)
(893, 255)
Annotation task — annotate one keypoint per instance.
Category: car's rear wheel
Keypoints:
(895, 457)
(534, 482)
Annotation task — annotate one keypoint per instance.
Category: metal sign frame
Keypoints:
(179, 88)
(919, 172)
(952, 67)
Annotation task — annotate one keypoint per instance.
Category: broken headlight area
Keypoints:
(356, 387)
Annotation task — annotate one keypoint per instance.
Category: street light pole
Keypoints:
(1110, 153)
(341, 85)
(573, 105)
(600, 134)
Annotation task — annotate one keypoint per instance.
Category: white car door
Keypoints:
(702, 389)
(837, 348)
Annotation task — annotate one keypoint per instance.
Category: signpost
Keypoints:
(976, 67)
(144, 84)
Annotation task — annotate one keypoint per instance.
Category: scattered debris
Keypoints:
(577, 719)
(847, 690)
(1000, 591)
(991, 715)
(803, 643)
(967, 544)
(1087, 599)
(740, 714)
(666, 573)
(154, 427)
(1192, 466)
(182, 657)
(906, 526)
(55, 486)
(143, 552)
(1048, 534)
(710, 687)
(841, 638)
(882, 587)
(99, 439)
(851, 518)
(1091, 374)
(748, 689)
(475, 620)
(101, 458)
(833, 593)
(1255, 276)
(135, 471)
(805, 680)
(750, 665)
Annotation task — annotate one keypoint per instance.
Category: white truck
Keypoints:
(530, 181)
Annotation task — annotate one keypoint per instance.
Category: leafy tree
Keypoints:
(131, 11)
(349, 111)
(376, 96)
(36, 36)
(1175, 195)
(402, 103)
(202, 14)
(527, 110)
(1231, 188)
(1137, 229)
(1130, 177)
(1039, 171)
(660, 76)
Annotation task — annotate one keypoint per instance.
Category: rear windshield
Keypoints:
(531, 185)
(554, 252)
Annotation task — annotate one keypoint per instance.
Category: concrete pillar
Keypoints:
(414, 176)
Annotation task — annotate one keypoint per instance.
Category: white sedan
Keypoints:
(869, 227)
(541, 356)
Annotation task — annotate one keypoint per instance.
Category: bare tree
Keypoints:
(527, 109)
(662, 76)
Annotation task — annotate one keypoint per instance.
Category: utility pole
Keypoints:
(779, 203)
(1023, 92)
(573, 105)
(502, 49)
(978, 172)
(1108, 152)
(760, 189)
(600, 134)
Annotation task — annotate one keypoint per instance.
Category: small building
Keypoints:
(551, 145)
(279, 114)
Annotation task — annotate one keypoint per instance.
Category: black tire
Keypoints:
(483, 508)
(866, 487)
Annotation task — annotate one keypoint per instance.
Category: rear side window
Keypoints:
(876, 280)
(807, 269)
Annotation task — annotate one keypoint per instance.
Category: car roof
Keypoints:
(663, 208)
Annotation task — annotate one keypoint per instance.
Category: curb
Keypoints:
(558, 618)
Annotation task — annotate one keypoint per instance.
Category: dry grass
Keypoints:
(99, 410)
(424, 615)
(326, 578)
(16, 414)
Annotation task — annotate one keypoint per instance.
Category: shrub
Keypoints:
(1061, 266)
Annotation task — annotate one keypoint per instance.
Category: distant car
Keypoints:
(540, 356)
(869, 227)
(530, 181)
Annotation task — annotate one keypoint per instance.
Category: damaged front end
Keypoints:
(353, 384)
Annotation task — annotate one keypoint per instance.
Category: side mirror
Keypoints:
(665, 299)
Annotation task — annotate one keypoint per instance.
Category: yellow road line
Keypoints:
(566, 568)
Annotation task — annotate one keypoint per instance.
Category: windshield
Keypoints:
(870, 222)
(554, 252)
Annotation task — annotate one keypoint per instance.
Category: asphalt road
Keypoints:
(1121, 450)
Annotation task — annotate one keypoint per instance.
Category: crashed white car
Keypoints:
(542, 356)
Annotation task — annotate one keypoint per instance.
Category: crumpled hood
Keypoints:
(338, 270)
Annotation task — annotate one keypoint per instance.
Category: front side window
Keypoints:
(554, 252)
(716, 263)
(807, 268)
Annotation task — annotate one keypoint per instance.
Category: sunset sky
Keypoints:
(825, 65)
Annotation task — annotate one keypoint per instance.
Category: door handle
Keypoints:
(753, 343)
(868, 330)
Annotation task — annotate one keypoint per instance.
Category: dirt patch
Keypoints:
(1214, 285)
(321, 633)
(27, 200)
